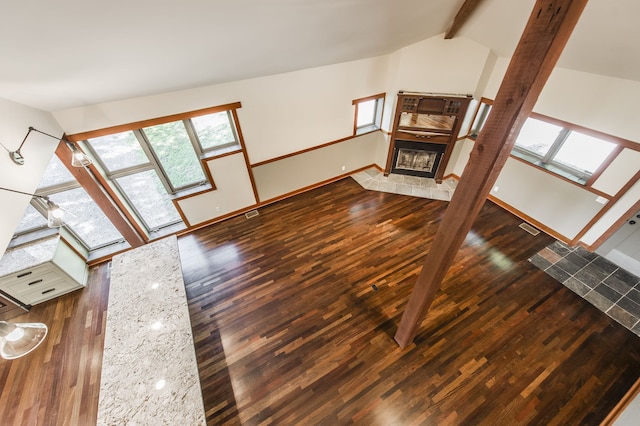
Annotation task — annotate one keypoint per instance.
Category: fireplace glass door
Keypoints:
(417, 158)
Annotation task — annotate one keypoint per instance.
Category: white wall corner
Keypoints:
(37, 151)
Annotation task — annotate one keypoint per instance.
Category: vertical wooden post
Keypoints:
(100, 196)
(544, 37)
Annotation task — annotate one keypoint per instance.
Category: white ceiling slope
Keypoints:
(69, 53)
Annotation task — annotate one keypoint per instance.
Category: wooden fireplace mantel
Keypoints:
(427, 118)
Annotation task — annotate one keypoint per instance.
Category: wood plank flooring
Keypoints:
(290, 330)
(59, 382)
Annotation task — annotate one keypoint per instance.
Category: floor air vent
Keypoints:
(530, 229)
(252, 213)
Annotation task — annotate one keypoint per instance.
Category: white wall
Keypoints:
(292, 173)
(37, 151)
(280, 115)
(233, 191)
(556, 203)
(455, 66)
(459, 157)
(617, 211)
(619, 172)
(593, 101)
(439, 65)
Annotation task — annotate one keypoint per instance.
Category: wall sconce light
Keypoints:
(18, 339)
(55, 215)
(78, 159)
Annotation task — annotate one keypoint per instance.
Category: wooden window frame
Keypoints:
(111, 188)
(567, 128)
(377, 113)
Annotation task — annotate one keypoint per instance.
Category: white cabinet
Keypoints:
(35, 272)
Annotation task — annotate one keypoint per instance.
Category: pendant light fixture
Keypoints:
(18, 339)
(78, 159)
(55, 215)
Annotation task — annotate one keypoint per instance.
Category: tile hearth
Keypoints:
(375, 180)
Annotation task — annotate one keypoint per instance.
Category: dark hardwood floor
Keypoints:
(59, 382)
(290, 331)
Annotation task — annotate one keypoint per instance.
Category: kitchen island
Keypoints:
(149, 369)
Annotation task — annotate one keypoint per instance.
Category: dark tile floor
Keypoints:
(608, 287)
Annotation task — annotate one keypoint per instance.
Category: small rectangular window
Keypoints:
(215, 131)
(481, 117)
(368, 114)
(31, 220)
(85, 219)
(149, 199)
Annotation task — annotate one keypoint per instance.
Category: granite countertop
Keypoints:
(149, 368)
(28, 255)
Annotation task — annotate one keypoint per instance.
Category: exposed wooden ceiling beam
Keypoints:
(544, 38)
(463, 14)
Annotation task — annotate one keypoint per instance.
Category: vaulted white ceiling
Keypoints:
(67, 53)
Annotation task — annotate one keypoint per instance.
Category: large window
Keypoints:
(145, 167)
(153, 163)
(173, 150)
(134, 171)
(83, 218)
(560, 148)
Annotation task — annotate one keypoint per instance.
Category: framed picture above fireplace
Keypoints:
(424, 131)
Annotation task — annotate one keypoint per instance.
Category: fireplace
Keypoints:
(417, 158)
(425, 129)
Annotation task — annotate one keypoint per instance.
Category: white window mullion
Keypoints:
(555, 147)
